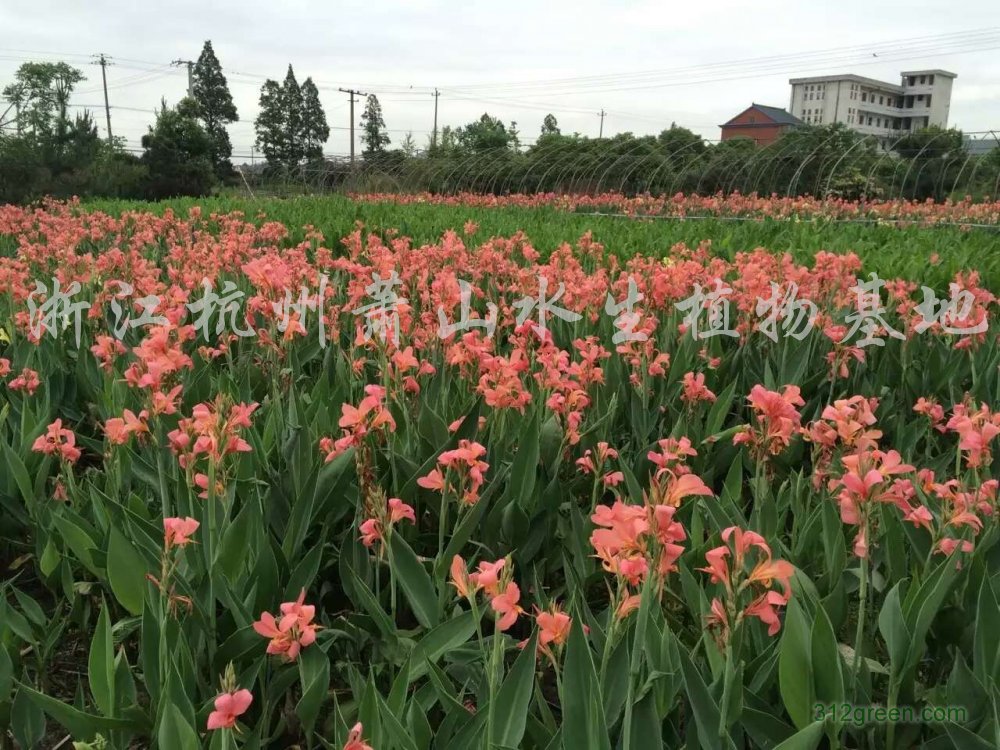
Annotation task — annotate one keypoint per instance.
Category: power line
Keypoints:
(864, 50)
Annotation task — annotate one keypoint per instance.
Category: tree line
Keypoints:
(187, 151)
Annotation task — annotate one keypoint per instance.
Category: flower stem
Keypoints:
(862, 616)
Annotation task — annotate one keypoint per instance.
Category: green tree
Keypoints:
(550, 126)
(373, 133)
(515, 136)
(291, 105)
(215, 107)
(178, 153)
(487, 133)
(408, 145)
(41, 91)
(678, 140)
(314, 130)
(270, 124)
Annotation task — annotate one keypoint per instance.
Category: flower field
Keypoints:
(400, 475)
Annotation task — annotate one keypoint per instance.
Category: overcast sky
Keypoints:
(701, 62)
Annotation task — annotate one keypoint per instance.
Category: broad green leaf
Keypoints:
(438, 641)
(76, 722)
(795, 670)
(27, 721)
(101, 666)
(805, 739)
(828, 677)
(514, 697)
(583, 714)
(314, 674)
(704, 708)
(126, 572)
(414, 581)
(176, 732)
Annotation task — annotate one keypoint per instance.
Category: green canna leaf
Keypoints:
(126, 572)
(414, 581)
(807, 738)
(101, 666)
(514, 697)
(795, 668)
(583, 725)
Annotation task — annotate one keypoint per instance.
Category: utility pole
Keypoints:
(601, 133)
(352, 93)
(190, 67)
(434, 135)
(104, 61)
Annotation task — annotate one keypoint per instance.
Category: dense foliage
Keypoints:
(396, 534)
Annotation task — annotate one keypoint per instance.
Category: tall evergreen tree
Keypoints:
(315, 131)
(215, 106)
(291, 103)
(373, 133)
(270, 124)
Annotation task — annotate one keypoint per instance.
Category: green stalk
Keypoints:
(210, 558)
(633, 669)
(493, 675)
(862, 615)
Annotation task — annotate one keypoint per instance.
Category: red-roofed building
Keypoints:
(764, 125)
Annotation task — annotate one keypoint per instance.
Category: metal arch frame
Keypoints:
(798, 172)
(684, 168)
(771, 158)
(567, 153)
(913, 161)
(833, 170)
(614, 162)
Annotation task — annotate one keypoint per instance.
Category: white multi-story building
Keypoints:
(871, 107)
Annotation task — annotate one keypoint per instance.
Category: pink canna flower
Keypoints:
(505, 604)
(748, 572)
(355, 740)
(58, 440)
(28, 381)
(398, 511)
(371, 532)
(229, 707)
(290, 633)
(553, 627)
(694, 389)
(777, 420)
(465, 584)
(460, 472)
(120, 429)
(384, 517)
(488, 576)
(177, 531)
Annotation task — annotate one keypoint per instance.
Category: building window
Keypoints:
(881, 100)
(920, 97)
(912, 80)
(869, 119)
(923, 79)
(864, 96)
(930, 80)
(928, 100)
